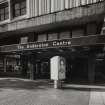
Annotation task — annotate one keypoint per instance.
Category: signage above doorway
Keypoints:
(83, 41)
(46, 44)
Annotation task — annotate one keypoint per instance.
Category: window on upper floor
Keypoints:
(24, 40)
(4, 12)
(19, 8)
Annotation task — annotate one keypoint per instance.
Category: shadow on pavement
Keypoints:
(84, 89)
(77, 89)
(15, 83)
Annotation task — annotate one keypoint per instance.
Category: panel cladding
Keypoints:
(41, 7)
(33, 8)
(36, 7)
(48, 6)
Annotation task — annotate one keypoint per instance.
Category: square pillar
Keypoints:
(5, 64)
(91, 68)
(24, 65)
(31, 66)
(31, 69)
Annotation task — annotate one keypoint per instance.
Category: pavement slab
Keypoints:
(15, 91)
(97, 98)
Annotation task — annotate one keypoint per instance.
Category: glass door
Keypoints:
(45, 70)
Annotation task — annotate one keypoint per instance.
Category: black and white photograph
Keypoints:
(52, 52)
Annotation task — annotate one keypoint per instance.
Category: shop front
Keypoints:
(84, 59)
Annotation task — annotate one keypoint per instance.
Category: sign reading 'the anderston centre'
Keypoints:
(46, 44)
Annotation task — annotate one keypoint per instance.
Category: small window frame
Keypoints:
(20, 10)
(4, 11)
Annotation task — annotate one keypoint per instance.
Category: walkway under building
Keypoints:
(14, 91)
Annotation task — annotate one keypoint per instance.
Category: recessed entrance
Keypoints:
(80, 67)
(100, 71)
(42, 70)
(77, 70)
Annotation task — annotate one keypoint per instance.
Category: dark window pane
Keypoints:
(6, 10)
(23, 4)
(17, 6)
(23, 11)
(2, 17)
(17, 13)
(2, 11)
(6, 16)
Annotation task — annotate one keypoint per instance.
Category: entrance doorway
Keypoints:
(100, 71)
(45, 70)
(42, 70)
(77, 70)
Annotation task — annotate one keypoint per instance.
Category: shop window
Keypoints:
(52, 36)
(77, 32)
(45, 67)
(24, 40)
(64, 35)
(32, 37)
(91, 29)
(42, 37)
(4, 13)
(19, 8)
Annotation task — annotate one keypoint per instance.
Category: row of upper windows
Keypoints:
(38, 7)
(18, 9)
(89, 29)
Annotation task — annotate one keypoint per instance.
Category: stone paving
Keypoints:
(14, 91)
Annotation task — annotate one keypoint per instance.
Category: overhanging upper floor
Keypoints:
(74, 16)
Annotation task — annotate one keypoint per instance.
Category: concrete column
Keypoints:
(38, 69)
(5, 63)
(31, 66)
(91, 68)
(31, 69)
(24, 65)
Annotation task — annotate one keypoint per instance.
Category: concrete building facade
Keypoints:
(33, 31)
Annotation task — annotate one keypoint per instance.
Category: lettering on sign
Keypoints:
(61, 43)
(48, 44)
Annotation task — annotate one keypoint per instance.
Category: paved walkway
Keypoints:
(14, 91)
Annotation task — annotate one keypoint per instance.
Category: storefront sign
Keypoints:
(72, 42)
(47, 44)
